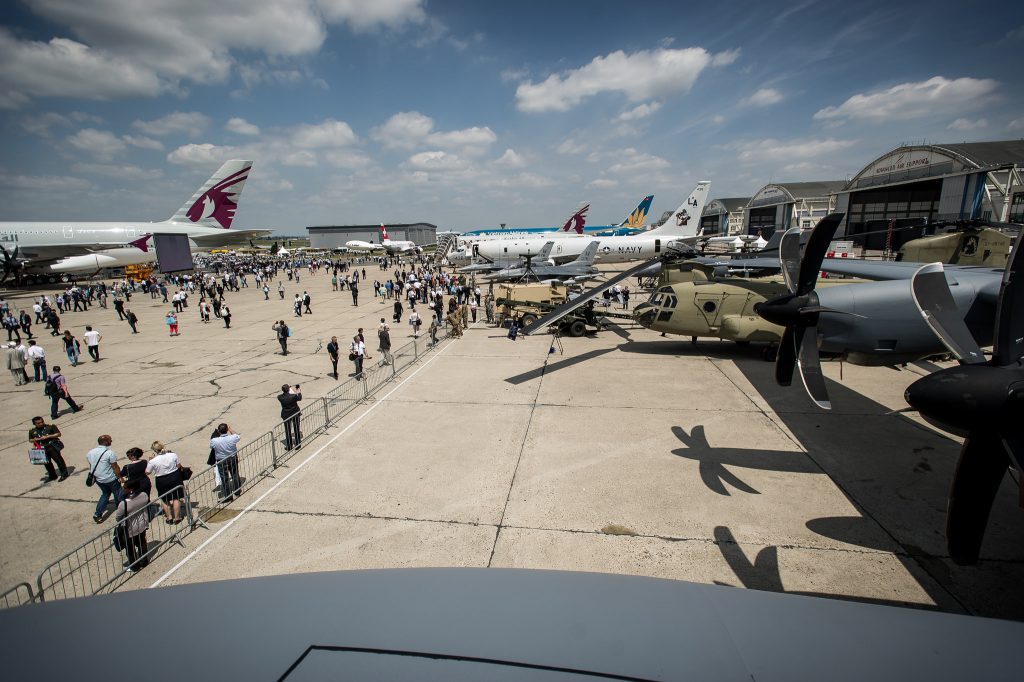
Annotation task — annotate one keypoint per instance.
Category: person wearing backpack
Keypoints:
(56, 388)
(283, 332)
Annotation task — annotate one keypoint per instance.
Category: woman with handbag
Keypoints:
(167, 472)
(132, 524)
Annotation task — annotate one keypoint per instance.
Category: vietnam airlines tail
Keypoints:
(638, 217)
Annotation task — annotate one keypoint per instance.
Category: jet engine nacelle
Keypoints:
(110, 258)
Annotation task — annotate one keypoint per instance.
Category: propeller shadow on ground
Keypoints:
(712, 461)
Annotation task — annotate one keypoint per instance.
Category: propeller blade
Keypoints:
(931, 294)
(789, 258)
(815, 250)
(785, 360)
(1008, 346)
(978, 475)
(810, 369)
(569, 306)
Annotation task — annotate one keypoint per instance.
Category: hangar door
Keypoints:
(910, 204)
(709, 224)
(762, 220)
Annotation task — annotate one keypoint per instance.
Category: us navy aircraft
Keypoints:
(684, 223)
(41, 249)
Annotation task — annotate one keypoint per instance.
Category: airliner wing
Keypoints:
(226, 237)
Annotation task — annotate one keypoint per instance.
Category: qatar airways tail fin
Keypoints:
(577, 220)
(685, 220)
(214, 204)
(639, 215)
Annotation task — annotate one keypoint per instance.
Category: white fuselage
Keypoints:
(107, 242)
(609, 250)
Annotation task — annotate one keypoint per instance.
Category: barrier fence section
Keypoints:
(96, 566)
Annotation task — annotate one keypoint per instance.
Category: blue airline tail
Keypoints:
(638, 217)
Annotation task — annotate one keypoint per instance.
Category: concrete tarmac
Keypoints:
(629, 453)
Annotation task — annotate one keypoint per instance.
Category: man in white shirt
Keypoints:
(38, 357)
(92, 340)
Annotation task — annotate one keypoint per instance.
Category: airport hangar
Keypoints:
(335, 236)
(906, 184)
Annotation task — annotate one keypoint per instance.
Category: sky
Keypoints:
(469, 114)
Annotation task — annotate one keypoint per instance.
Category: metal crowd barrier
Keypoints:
(96, 567)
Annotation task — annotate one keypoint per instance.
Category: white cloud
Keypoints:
(143, 142)
(1015, 124)
(638, 112)
(365, 16)
(205, 154)
(571, 146)
(411, 129)
(772, 150)
(718, 119)
(241, 126)
(725, 58)
(913, 100)
(510, 159)
(762, 98)
(191, 123)
(631, 161)
(603, 183)
(509, 75)
(301, 157)
(66, 68)
(646, 74)
(967, 124)
(329, 133)
(44, 183)
(121, 172)
(102, 144)
(126, 49)
(436, 161)
(404, 130)
(347, 158)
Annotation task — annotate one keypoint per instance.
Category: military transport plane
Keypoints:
(37, 250)
(684, 223)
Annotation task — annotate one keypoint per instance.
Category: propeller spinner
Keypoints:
(797, 311)
(977, 399)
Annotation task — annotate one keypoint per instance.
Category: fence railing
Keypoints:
(96, 566)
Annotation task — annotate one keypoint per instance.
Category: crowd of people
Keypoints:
(154, 482)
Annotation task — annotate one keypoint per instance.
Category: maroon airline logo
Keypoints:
(577, 221)
(218, 201)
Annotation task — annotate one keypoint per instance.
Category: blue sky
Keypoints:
(470, 114)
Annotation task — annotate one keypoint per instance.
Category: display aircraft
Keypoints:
(43, 249)
(578, 270)
(683, 224)
(696, 298)
(867, 323)
(979, 400)
(394, 247)
(543, 255)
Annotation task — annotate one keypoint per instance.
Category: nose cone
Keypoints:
(644, 314)
(959, 399)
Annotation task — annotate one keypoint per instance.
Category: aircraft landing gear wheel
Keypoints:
(51, 279)
(65, 278)
(769, 353)
(577, 328)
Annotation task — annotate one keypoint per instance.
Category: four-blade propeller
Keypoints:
(981, 400)
(797, 311)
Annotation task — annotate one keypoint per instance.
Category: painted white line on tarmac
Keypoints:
(306, 461)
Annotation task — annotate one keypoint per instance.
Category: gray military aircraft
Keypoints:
(494, 266)
(869, 323)
(576, 271)
(980, 400)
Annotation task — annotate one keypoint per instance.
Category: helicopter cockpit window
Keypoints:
(670, 301)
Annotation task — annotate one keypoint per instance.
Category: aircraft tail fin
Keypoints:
(545, 251)
(639, 215)
(384, 238)
(577, 220)
(685, 220)
(587, 257)
(214, 204)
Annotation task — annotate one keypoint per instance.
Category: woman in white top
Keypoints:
(166, 469)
